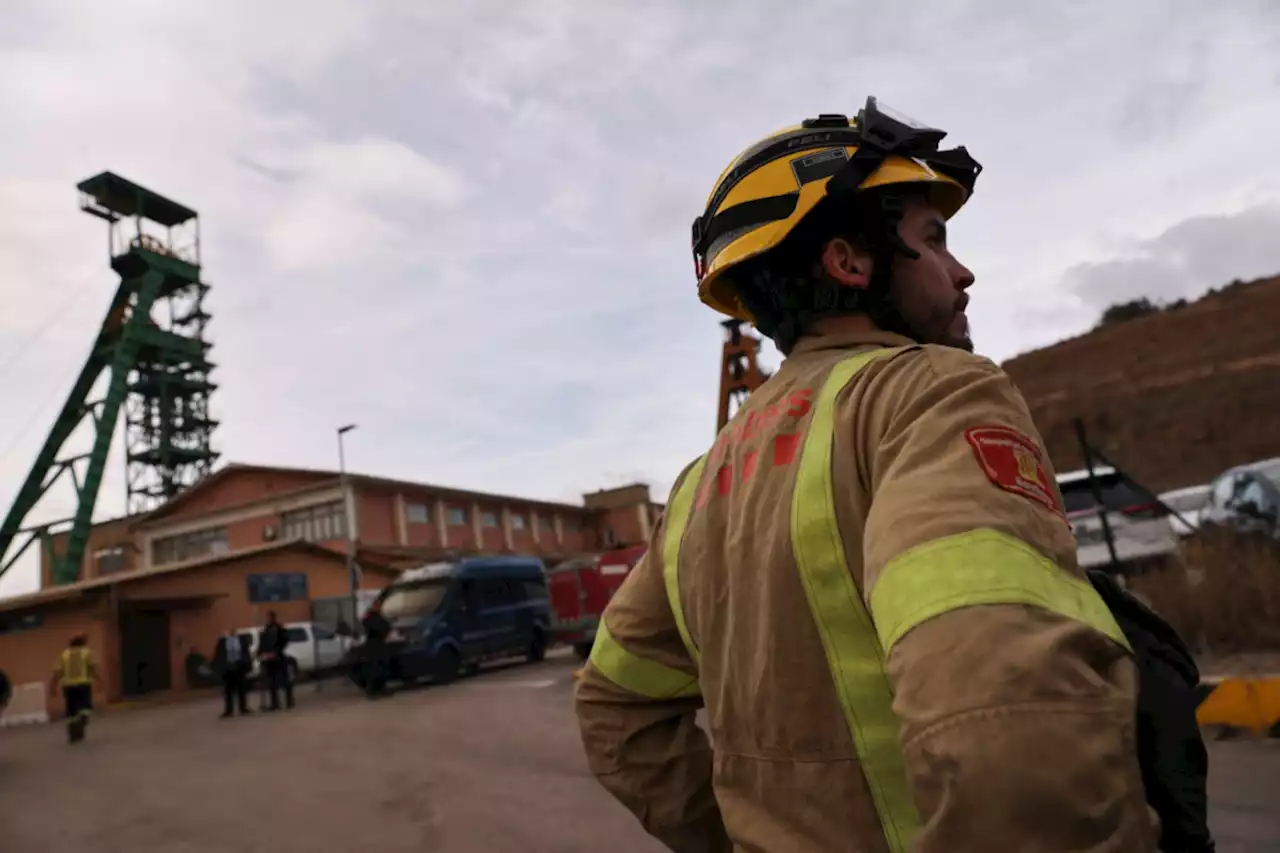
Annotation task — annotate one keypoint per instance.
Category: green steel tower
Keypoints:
(152, 346)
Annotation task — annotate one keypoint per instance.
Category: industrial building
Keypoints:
(155, 589)
(205, 549)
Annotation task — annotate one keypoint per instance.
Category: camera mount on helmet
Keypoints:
(876, 134)
(884, 132)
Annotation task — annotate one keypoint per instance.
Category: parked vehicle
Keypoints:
(1246, 498)
(580, 588)
(446, 617)
(1186, 505)
(340, 612)
(1139, 525)
(312, 648)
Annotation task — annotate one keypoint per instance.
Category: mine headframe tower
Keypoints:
(740, 372)
(152, 346)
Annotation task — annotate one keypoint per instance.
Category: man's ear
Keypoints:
(846, 264)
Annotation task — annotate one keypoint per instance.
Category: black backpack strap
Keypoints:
(1171, 750)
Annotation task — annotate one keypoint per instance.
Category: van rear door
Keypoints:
(501, 616)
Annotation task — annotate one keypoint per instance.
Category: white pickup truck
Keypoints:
(312, 648)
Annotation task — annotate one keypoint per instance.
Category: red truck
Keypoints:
(580, 588)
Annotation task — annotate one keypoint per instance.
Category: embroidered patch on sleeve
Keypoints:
(1013, 462)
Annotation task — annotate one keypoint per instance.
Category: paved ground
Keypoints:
(1244, 789)
(427, 770)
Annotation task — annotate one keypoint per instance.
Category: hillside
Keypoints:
(1174, 397)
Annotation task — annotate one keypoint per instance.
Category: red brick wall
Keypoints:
(491, 537)
(377, 514)
(576, 540)
(104, 535)
(625, 524)
(29, 656)
(522, 543)
(460, 535)
(239, 487)
(249, 532)
(199, 629)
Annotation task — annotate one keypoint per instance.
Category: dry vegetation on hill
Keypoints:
(1174, 394)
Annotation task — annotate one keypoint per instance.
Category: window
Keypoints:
(517, 521)
(418, 514)
(277, 586)
(500, 592)
(315, 523)
(12, 623)
(297, 634)
(1118, 494)
(489, 519)
(534, 591)
(110, 559)
(1252, 501)
(414, 600)
(189, 546)
(1224, 488)
(457, 516)
(546, 522)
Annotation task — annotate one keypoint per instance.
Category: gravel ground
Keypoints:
(492, 763)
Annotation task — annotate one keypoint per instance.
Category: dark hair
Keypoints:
(786, 289)
(79, 640)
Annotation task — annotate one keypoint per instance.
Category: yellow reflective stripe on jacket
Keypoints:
(75, 667)
(677, 519)
(848, 635)
(639, 675)
(979, 567)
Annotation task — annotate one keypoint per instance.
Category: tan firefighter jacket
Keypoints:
(870, 586)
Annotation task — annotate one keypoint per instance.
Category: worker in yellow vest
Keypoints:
(868, 584)
(75, 675)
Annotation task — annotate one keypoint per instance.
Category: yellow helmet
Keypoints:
(771, 186)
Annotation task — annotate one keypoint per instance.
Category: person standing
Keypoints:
(232, 661)
(375, 652)
(868, 582)
(271, 650)
(75, 674)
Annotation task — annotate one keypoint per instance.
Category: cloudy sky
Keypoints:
(464, 226)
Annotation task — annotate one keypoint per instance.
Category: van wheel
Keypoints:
(537, 648)
(444, 668)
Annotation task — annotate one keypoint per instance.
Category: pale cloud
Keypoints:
(1185, 260)
(466, 226)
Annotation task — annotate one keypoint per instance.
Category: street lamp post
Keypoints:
(351, 530)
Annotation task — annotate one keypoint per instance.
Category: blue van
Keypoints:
(448, 617)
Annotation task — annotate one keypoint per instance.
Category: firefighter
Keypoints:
(74, 675)
(868, 582)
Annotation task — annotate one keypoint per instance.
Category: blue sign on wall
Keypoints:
(270, 587)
